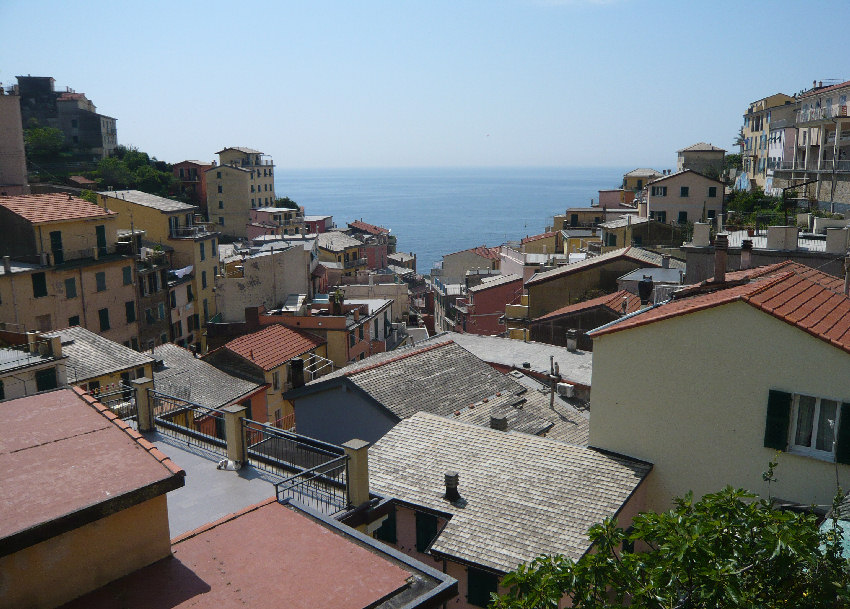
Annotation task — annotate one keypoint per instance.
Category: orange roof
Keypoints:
(55, 207)
(537, 237)
(825, 89)
(274, 345)
(482, 250)
(804, 297)
(369, 228)
(610, 301)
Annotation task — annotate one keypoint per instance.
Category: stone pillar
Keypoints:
(235, 432)
(144, 403)
(358, 471)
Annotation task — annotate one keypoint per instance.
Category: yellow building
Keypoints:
(335, 246)
(756, 132)
(708, 387)
(61, 268)
(243, 180)
(172, 223)
(637, 179)
(545, 243)
(578, 240)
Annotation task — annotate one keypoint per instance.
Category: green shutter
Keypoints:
(479, 586)
(387, 531)
(426, 530)
(842, 445)
(778, 417)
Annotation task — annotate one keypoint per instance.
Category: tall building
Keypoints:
(243, 180)
(193, 180)
(73, 113)
(13, 162)
(761, 116)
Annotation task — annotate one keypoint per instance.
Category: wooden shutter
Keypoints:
(387, 531)
(479, 586)
(426, 530)
(778, 418)
(842, 446)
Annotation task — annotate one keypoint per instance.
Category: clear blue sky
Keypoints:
(427, 83)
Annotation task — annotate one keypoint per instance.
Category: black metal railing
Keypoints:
(120, 399)
(284, 453)
(188, 422)
(322, 488)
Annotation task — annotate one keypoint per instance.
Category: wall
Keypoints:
(339, 414)
(13, 164)
(489, 305)
(456, 265)
(58, 570)
(697, 408)
(699, 261)
(703, 161)
(397, 292)
(693, 204)
(545, 245)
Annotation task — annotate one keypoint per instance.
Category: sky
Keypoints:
(333, 84)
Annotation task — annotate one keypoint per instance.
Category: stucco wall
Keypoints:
(339, 415)
(397, 292)
(690, 395)
(58, 570)
(693, 204)
(456, 265)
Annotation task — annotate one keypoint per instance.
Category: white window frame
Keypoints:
(810, 451)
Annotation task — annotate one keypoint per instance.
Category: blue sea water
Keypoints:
(433, 212)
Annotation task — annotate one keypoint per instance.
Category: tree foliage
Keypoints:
(132, 168)
(729, 549)
(285, 202)
(43, 142)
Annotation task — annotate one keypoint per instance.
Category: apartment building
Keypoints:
(335, 246)
(193, 180)
(760, 117)
(278, 221)
(820, 167)
(682, 197)
(242, 180)
(61, 267)
(172, 224)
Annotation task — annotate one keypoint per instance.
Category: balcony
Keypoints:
(356, 262)
(822, 115)
(827, 166)
(190, 232)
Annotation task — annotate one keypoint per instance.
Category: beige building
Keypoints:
(637, 179)
(686, 196)
(61, 268)
(13, 161)
(171, 223)
(335, 246)
(458, 264)
(709, 386)
(701, 157)
(243, 180)
(756, 132)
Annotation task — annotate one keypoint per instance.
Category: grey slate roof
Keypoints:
(632, 253)
(142, 198)
(91, 355)
(444, 379)
(642, 172)
(185, 376)
(335, 241)
(524, 495)
(495, 281)
(625, 221)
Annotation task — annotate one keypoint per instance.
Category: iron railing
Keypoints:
(322, 488)
(284, 453)
(120, 399)
(188, 422)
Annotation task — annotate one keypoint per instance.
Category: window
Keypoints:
(203, 250)
(351, 339)
(219, 188)
(70, 288)
(203, 280)
(683, 217)
(189, 295)
(218, 175)
(221, 204)
(149, 317)
(161, 309)
(214, 247)
(480, 584)
(360, 332)
(426, 530)
(46, 379)
(276, 379)
(206, 312)
(103, 315)
(387, 531)
(683, 191)
(128, 275)
(221, 221)
(163, 338)
(100, 235)
(659, 191)
(2, 391)
(74, 320)
(39, 285)
(56, 247)
(215, 271)
(712, 192)
(100, 280)
(130, 310)
(74, 123)
(711, 214)
(808, 425)
(172, 299)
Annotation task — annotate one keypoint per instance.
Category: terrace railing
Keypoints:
(322, 488)
(188, 422)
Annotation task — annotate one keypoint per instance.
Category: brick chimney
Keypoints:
(721, 245)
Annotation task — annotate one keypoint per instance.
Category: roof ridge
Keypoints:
(397, 358)
(110, 416)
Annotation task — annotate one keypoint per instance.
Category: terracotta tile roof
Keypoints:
(702, 147)
(368, 228)
(642, 172)
(274, 345)
(55, 207)
(491, 253)
(240, 149)
(679, 173)
(826, 89)
(614, 302)
(796, 294)
(537, 237)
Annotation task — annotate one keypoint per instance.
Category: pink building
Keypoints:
(275, 221)
(480, 311)
(612, 199)
(193, 180)
(318, 224)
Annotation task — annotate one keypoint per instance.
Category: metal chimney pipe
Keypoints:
(746, 254)
(499, 423)
(452, 493)
(721, 245)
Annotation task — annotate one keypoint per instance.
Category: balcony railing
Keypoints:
(189, 232)
(827, 165)
(824, 113)
(356, 262)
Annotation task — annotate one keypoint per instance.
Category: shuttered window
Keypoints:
(387, 531)
(778, 417)
(426, 530)
(479, 586)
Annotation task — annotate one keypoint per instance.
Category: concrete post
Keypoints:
(358, 471)
(144, 403)
(234, 432)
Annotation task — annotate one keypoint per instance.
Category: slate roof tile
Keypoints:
(91, 355)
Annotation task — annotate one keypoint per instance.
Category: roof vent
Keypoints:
(451, 487)
(645, 289)
(499, 423)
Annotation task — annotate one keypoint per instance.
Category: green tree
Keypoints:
(43, 142)
(729, 549)
(732, 161)
(112, 171)
(285, 202)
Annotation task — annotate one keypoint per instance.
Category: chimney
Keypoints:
(746, 254)
(358, 471)
(645, 289)
(665, 261)
(7, 264)
(721, 245)
(847, 276)
(572, 340)
(451, 487)
(499, 422)
(296, 366)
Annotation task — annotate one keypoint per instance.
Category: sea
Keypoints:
(433, 212)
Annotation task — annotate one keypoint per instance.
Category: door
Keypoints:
(100, 232)
(56, 247)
